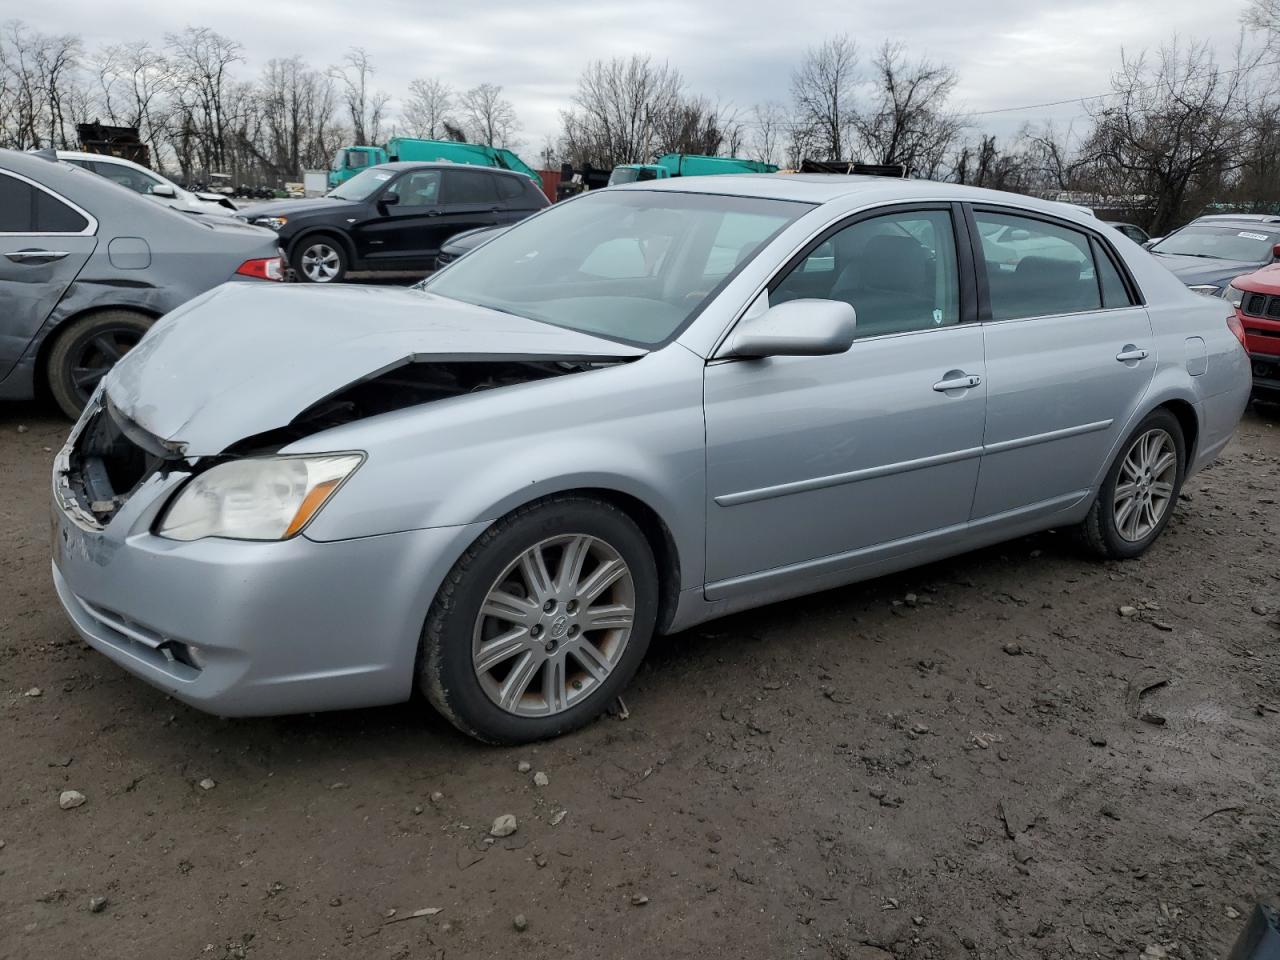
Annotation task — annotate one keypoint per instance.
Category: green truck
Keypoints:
(349, 161)
(686, 165)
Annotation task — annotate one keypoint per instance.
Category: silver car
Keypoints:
(638, 410)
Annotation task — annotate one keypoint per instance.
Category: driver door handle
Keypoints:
(966, 382)
(41, 256)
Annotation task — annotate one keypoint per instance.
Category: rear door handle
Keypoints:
(1130, 353)
(34, 256)
(964, 382)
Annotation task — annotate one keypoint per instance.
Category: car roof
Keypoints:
(1238, 218)
(102, 158)
(441, 165)
(821, 188)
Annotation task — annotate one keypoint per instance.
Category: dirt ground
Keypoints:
(952, 762)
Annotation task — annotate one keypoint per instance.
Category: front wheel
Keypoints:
(542, 621)
(320, 259)
(1140, 489)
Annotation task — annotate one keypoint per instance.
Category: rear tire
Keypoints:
(86, 349)
(320, 258)
(523, 642)
(1140, 490)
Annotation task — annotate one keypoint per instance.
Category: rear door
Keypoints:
(470, 200)
(1069, 355)
(518, 196)
(45, 240)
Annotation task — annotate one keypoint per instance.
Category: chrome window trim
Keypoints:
(92, 222)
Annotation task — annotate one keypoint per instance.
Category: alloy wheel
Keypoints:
(94, 356)
(321, 263)
(554, 625)
(1144, 488)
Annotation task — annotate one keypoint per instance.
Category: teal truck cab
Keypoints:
(349, 161)
(686, 165)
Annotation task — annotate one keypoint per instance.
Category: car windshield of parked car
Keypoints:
(631, 265)
(363, 185)
(1220, 242)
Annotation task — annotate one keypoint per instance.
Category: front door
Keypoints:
(405, 230)
(818, 465)
(44, 243)
(1070, 354)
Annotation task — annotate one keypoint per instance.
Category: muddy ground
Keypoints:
(944, 763)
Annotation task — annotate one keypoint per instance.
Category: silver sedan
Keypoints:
(638, 410)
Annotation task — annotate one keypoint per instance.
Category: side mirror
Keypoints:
(388, 200)
(797, 328)
(1151, 243)
(163, 190)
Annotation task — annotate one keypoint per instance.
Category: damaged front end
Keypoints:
(105, 461)
(410, 383)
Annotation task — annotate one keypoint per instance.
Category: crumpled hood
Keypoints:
(246, 358)
(294, 208)
(1197, 270)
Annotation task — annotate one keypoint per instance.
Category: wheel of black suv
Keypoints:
(86, 350)
(541, 622)
(1141, 488)
(320, 259)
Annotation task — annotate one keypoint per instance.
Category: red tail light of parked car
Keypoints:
(269, 268)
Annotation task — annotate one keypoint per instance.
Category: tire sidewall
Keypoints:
(447, 674)
(1117, 545)
(311, 239)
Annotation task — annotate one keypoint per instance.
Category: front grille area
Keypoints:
(1262, 306)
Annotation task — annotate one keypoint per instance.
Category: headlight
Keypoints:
(1234, 294)
(275, 223)
(258, 498)
(1208, 289)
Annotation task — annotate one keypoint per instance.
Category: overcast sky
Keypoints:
(1008, 52)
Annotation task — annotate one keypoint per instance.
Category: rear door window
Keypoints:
(15, 205)
(468, 186)
(27, 209)
(1036, 268)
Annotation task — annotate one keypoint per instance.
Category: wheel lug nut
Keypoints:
(536, 631)
(550, 646)
(572, 606)
(549, 606)
(573, 630)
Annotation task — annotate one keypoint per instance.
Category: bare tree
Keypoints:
(133, 79)
(908, 121)
(1264, 15)
(201, 82)
(617, 109)
(295, 128)
(429, 105)
(1173, 128)
(769, 124)
(41, 84)
(366, 108)
(488, 117)
(822, 88)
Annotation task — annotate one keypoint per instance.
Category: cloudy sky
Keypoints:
(1008, 53)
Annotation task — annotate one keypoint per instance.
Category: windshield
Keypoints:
(363, 185)
(1221, 241)
(630, 265)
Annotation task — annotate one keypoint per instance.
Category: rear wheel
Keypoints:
(86, 350)
(1140, 490)
(320, 259)
(542, 621)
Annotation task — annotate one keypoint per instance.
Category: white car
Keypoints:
(149, 183)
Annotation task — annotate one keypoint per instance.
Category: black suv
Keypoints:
(394, 216)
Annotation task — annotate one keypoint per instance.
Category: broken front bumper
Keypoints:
(243, 628)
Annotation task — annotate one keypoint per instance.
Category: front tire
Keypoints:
(542, 621)
(86, 349)
(320, 258)
(1140, 490)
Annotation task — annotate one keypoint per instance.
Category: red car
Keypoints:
(1257, 300)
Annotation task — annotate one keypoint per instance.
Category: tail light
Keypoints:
(1237, 328)
(268, 268)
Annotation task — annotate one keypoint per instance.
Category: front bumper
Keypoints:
(242, 628)
(1266, 375)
